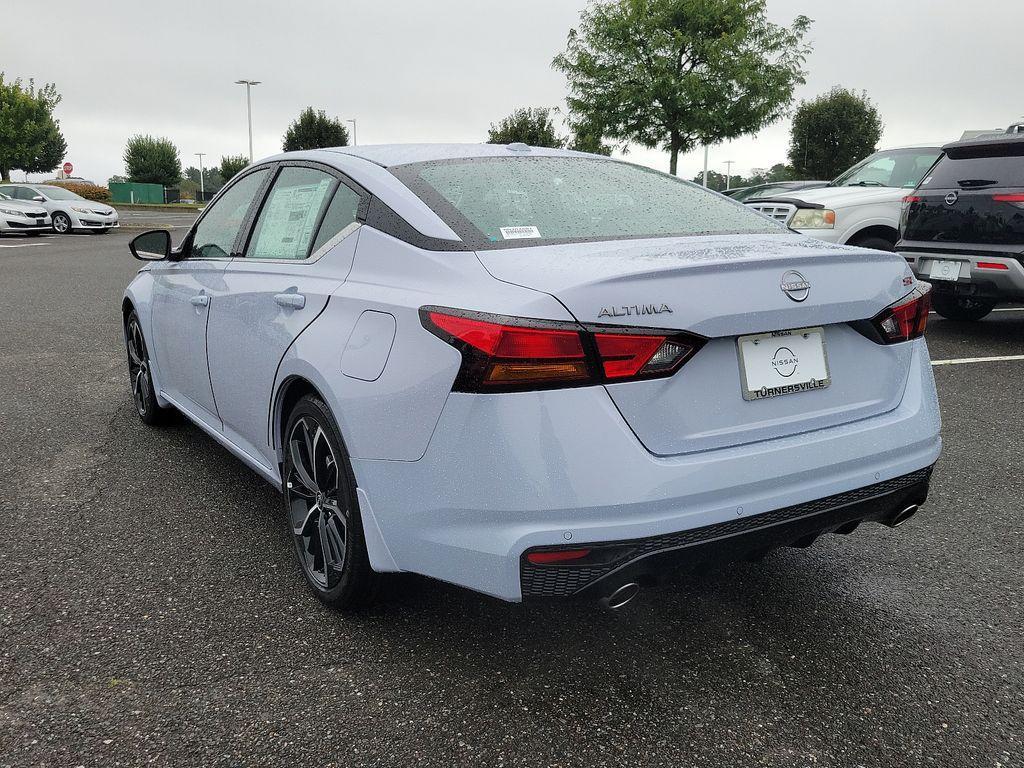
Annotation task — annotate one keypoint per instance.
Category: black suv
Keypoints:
(962, 229)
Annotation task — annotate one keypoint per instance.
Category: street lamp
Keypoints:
(248, 104)
(728, 174)
(202, 185)
(353, 121)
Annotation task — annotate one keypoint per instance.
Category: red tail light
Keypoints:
(912, 199)
(557, 556)
(907, 318)
(991, 265)
(1012, 198)
(507, 354)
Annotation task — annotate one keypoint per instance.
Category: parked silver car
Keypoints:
(68, 210)
(21, 216)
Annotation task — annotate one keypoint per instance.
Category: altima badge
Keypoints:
(634, 309)
(795, 285)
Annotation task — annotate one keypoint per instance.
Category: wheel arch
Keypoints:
(884, 231)
(290, 391)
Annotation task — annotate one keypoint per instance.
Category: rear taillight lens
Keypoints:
(508, 354)
(907, 318)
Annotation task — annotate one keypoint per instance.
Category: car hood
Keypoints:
(712, 285)
(22, 205)
(838, 197)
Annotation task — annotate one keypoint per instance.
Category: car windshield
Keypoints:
(891, 168)
(4, 197)
(59, 193)
(519, 201)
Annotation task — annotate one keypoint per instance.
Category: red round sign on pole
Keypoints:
(68, 168)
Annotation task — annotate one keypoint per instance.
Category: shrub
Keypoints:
(88, 191)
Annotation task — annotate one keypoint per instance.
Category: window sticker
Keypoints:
(923, 183)
(519, 233)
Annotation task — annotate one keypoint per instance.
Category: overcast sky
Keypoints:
(443, 70)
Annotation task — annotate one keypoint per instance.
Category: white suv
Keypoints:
(862, 206)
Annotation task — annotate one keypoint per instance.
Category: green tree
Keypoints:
(314, 130)
(587, 136)
(231, 165)
(152, 160)
(212, 180)
(30, 137)
(832, 132)
(534, 126)
(675, 73)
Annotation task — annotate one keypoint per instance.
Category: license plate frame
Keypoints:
(767, 373)
(945, 269)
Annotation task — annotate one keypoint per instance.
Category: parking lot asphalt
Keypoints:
(156, 218)
(151, 613)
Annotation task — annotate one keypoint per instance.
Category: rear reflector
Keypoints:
(1012, 198)
(507, 354)
(561, 556)
(907, 318)
(991, 265)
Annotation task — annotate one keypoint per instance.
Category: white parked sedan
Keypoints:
(19, 216)
(68, 210)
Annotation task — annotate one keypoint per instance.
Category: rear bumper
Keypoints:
(504, 474)
(1001, 283)
(650, 560)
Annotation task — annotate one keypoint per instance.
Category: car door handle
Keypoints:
(290, 300)
(200, 300)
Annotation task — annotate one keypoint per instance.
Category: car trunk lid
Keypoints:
(724, 287)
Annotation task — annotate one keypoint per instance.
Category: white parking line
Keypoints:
(966, 360)
(20, 245)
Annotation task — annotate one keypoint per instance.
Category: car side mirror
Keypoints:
(151, 246)
(39, 199)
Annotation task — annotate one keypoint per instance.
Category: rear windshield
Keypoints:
(518, 201)
(976, 172)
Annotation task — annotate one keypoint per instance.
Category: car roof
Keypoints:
(994, 146)
(390, 155)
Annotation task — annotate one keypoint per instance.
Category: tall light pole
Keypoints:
(202, 183)
(248, 104)
(705, 166)
(728, 174)
(353, 121)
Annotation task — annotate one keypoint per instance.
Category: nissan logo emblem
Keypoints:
(952, 197)
(795, 285)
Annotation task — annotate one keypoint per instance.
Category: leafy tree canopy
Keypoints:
(152, 160)
(534, 126)
(675, 73)
(30, 137)
(832, 132)
(231, 165)
(313, 129)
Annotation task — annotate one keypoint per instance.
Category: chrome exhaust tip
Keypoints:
(621, 596)
(902, 516)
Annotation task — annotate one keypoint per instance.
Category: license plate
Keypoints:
(945, 270)
(783, 363)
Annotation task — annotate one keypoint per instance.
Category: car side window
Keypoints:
(24, 193)
(9, 191)
(290, 215)
(216, 232)
(343, 210)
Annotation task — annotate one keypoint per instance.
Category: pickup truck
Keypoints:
(861, 206)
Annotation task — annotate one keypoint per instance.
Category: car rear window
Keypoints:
(521, 201)
(967, 172)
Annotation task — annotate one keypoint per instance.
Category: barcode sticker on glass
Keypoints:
(519, 233)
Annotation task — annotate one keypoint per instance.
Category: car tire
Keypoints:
(878, 243)
(322, 509)
(61, 223)
(963, 308)
(139, 376)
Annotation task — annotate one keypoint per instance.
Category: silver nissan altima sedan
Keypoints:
(531, 372)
